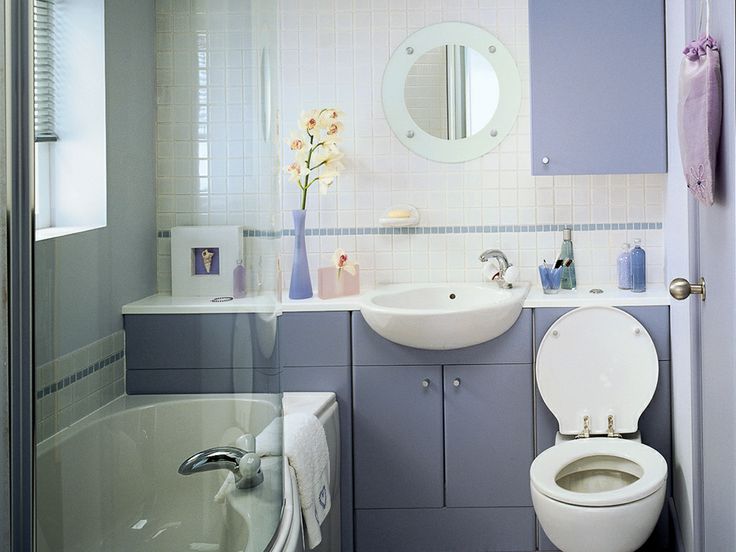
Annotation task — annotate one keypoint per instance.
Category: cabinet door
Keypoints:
(397, 436)
(597, 73)
(489, 435)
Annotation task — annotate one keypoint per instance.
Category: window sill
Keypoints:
(49, 233)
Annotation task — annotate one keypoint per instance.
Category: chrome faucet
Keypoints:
(245, 465)
(503, 265)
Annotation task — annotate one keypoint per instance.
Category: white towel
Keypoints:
(226, 487)
(305, 445)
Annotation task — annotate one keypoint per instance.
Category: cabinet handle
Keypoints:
(456, 382)
(545, 160)
(425, 383)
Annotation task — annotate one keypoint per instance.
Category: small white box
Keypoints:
(203, 259)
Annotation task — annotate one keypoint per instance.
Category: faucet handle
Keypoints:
(246, 442)
(249, 465)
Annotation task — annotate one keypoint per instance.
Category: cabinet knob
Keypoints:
(545, 160)
(425, 383)
(456, 382)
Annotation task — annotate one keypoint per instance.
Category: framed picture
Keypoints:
(203, 259)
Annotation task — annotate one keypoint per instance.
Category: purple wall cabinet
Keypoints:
(597, 86)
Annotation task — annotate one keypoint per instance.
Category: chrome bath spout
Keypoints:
(245, 465)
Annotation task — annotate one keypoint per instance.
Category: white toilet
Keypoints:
(597, 370)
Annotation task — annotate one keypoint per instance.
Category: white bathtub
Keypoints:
(110, 483)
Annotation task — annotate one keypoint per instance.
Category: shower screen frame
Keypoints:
(20, 245)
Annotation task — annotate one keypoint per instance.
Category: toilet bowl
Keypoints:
(597, 370)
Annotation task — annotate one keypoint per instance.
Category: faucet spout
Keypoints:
(245, 465)
(218, 458)
(503, 265)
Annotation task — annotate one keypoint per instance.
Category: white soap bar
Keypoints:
(399, 213)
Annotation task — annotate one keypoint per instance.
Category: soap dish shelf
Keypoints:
(411, 220)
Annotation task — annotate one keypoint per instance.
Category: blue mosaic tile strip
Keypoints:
(81, 374)
(262, 233)
(474, 229)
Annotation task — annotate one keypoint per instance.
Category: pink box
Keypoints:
(330, 285)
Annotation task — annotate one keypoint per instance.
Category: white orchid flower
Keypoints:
(296, 143)
(326, 156)
(309, 120)
(334, 128)
(341, 262)
(331, 114)
(324, 183)
(294, 170)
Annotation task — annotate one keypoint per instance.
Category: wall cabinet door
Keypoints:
(489, 435)
(398, 437)
(597, 72)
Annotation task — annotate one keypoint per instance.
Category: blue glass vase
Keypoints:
(301, 284)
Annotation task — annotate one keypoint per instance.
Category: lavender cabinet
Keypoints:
(488, 435)
(442, 436)
(597, 71)
(398, 438)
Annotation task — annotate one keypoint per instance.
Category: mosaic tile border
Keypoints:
(79, 375)
(473, 229)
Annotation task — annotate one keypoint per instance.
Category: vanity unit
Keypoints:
(443, 441)
(435, 445)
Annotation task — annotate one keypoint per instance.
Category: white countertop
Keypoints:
(166, 304)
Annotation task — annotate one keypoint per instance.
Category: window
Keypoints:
(43, 105)
(69, 116)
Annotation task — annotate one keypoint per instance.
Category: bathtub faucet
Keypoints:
(244, 464)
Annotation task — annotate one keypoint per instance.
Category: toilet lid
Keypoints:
(597, 361)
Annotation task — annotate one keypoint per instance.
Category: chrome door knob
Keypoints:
(681, 289)
(425, 383)
(456, 382)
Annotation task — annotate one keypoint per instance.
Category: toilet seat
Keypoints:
(650, 466)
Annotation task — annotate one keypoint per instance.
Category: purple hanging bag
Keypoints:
(699, 113)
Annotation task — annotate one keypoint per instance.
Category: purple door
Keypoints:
(701, 243)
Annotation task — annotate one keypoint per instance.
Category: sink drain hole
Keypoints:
(452, 296)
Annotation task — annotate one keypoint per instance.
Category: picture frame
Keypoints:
(203, 259)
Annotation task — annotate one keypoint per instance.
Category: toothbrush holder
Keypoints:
(550, 278)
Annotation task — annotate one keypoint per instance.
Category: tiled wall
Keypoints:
(76, 384)
(216, 134)
(334, 53)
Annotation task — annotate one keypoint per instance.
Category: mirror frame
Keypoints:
(421, 142)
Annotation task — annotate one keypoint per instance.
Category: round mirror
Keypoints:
(451, 92)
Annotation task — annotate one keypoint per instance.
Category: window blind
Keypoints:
(43, 70)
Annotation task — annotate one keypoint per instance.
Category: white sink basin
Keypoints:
(442, 316)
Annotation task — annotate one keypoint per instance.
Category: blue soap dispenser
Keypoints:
(638, 268)
(624, 267)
